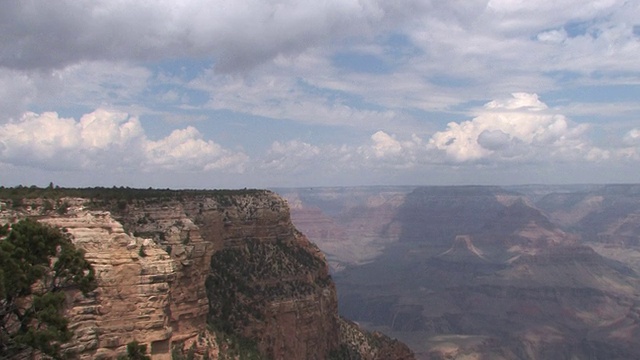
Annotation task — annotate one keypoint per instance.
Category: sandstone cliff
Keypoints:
(209, 274)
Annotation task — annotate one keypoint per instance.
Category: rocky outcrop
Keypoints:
(463, 250)
(359, 344)
(134, 294)
(211, 274)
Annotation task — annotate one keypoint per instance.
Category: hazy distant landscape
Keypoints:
(526, 272)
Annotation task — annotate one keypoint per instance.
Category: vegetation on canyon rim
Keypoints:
(38, 262)
(176, 219)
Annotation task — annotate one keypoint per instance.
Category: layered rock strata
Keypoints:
(217, 275)
(134, 294)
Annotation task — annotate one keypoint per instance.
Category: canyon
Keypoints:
(455, 272)
(198, 274)
(485, 272)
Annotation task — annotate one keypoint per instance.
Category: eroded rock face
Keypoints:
(244, 268)
(169, 269)
(369, 345)
(132, 301)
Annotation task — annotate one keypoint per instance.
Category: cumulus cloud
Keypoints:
(632, 138)
(107, 139)
(49, 141)
(519, 128)
(494, 139)
(386, 151)
(184, 149)
(631, 145)
(191, 57)
(385, 145)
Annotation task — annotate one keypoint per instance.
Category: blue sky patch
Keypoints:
(575, 29)
(184, 69)
(361, 63)
(449, 81)
(563, 77)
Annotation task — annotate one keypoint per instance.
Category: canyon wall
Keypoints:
(485, 272)
(214, 274)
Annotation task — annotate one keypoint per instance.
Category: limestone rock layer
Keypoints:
(201, 273)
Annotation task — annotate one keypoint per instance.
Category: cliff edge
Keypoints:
(206, 274)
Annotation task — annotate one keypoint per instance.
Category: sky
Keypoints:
(279, 93)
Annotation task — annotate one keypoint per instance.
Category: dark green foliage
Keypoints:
(62, 208)
(32, 284)
(135, 351)
(142, 252)
(246, 349)
(119, 196)
(122, 205)
(47, 206)
(244, 279)
(345, 352)
(178, 353)
(16, 202)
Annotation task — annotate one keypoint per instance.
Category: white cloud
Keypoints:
(291, 156)
(184, 149)
(103, 129)
(553, 36)
(631, 146)
(279, 60)
(632, 137)
(519, 128)
(386, 151)
(494, 139)
(49, 141)
(385, 145)
(85, 85)
(497, 46)
(282, 96)
(107, 139)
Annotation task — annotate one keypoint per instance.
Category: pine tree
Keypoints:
(37, 263)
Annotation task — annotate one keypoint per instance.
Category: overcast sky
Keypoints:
(264, 93)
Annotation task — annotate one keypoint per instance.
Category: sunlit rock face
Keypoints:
(180, 272)
(135, 278)
(480, 272)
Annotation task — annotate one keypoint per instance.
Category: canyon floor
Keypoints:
(479, 272)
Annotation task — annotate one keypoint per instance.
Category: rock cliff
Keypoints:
(209, 274)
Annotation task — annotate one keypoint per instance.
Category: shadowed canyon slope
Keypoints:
(216, 274)
(529, 272)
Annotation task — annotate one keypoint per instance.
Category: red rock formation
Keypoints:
(169, 269)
